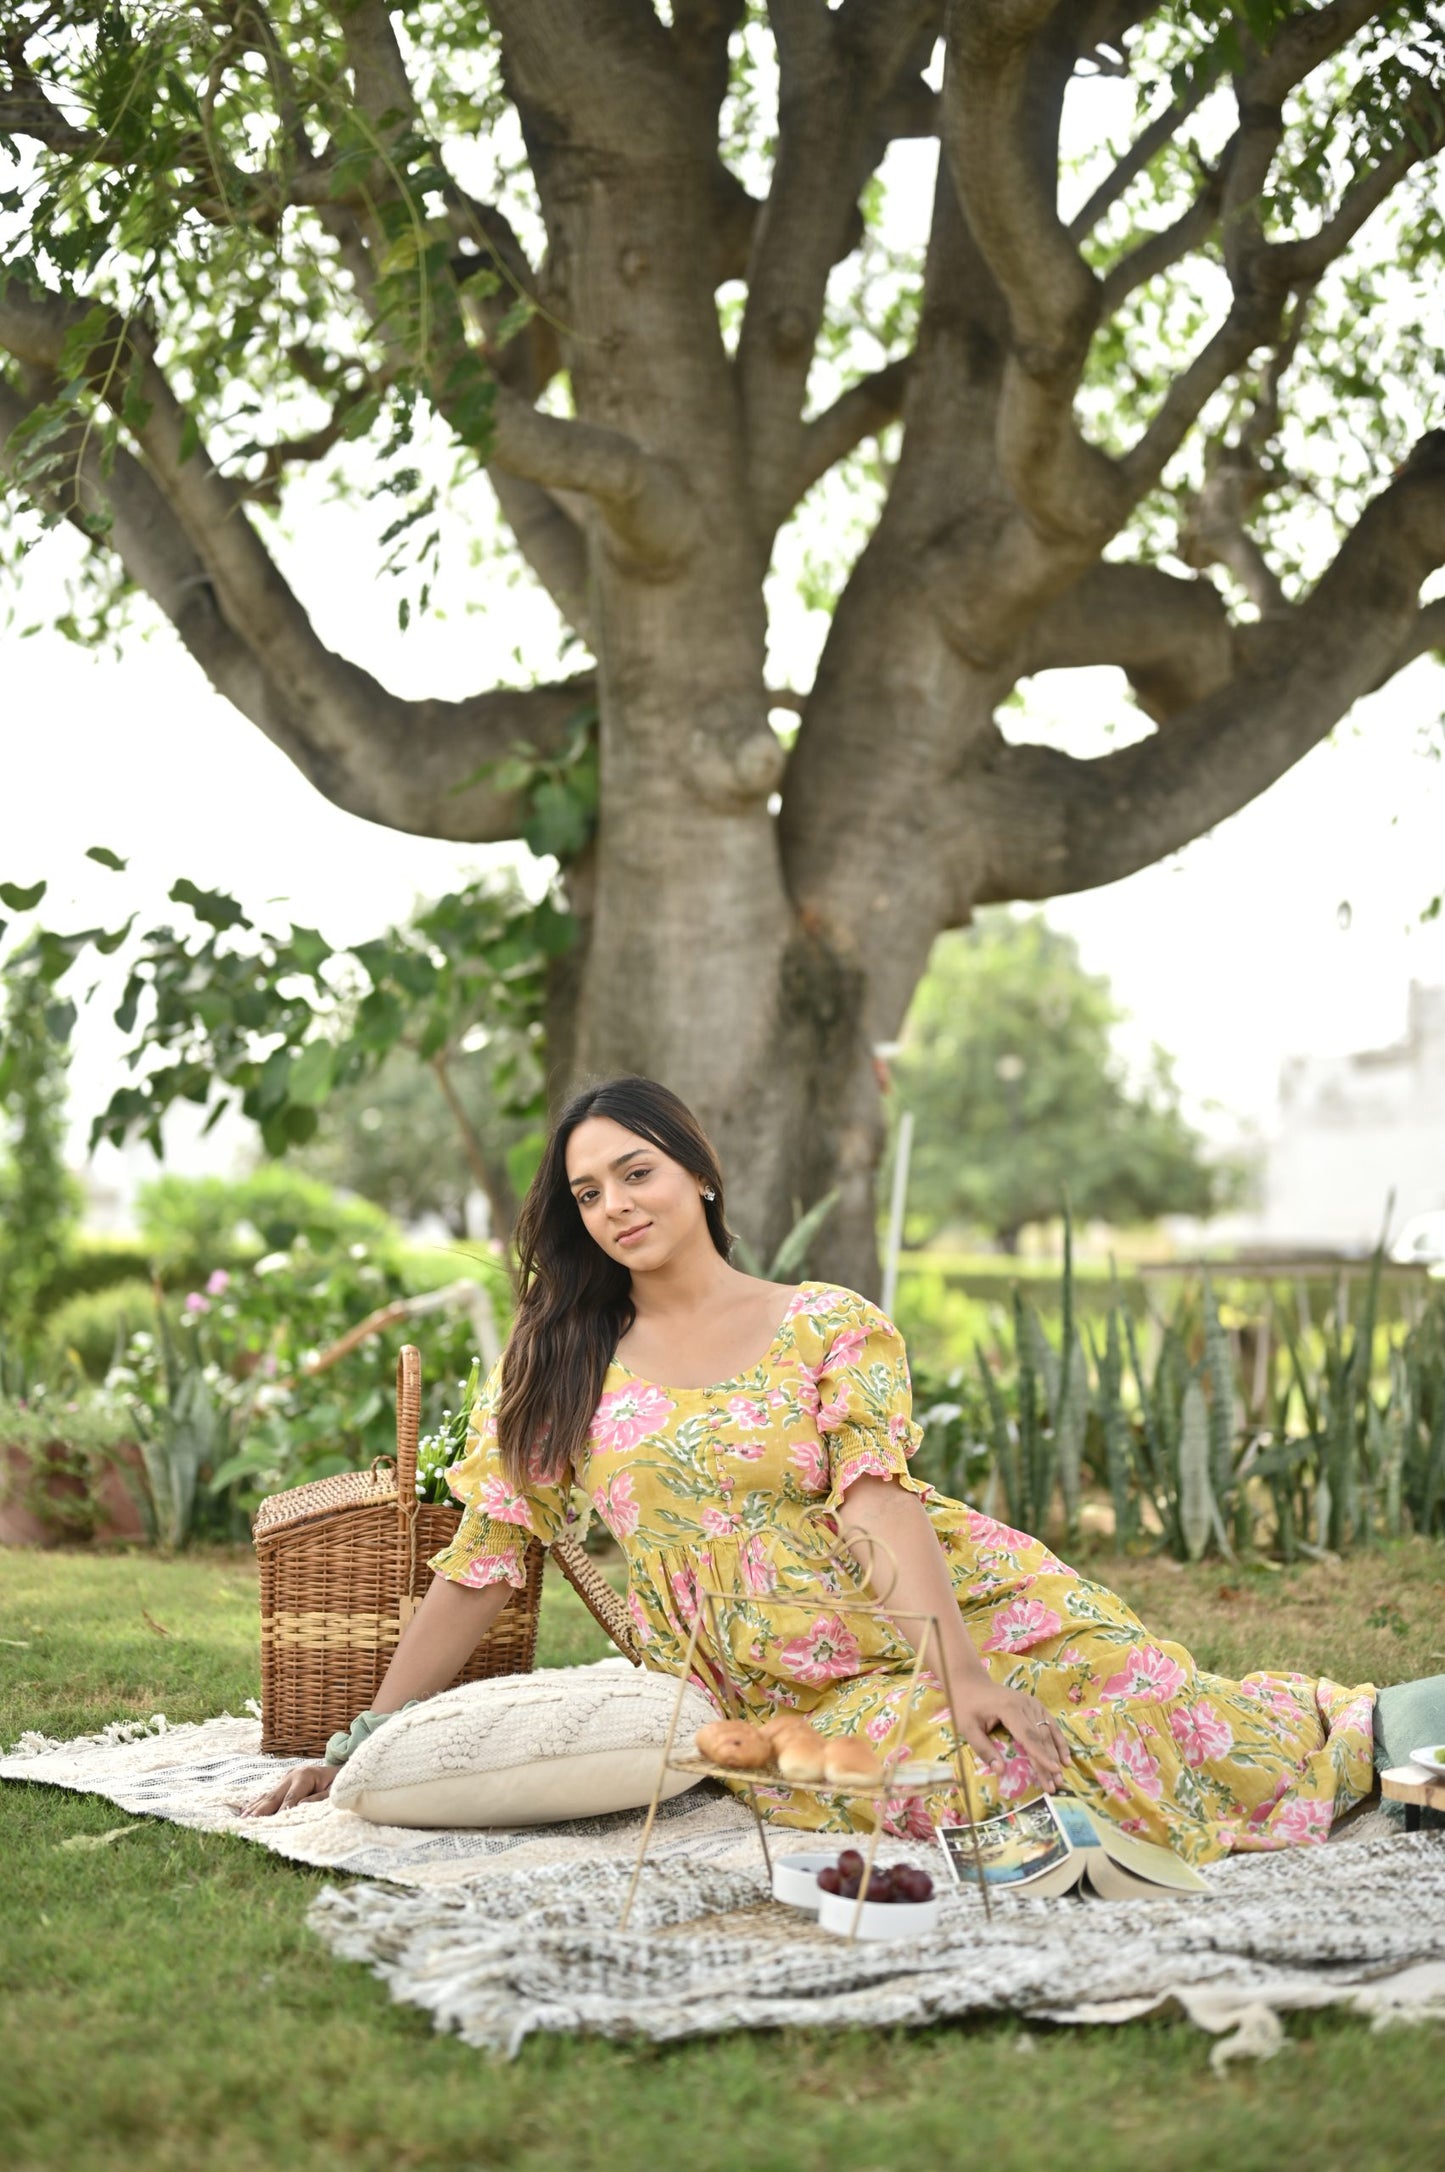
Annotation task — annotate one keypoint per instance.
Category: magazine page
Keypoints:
(1021, 1847)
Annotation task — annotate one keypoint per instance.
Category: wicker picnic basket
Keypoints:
(343, 1566)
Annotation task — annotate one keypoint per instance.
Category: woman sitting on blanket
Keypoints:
(754, 1439)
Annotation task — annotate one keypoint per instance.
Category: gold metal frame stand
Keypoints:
(924, 1779)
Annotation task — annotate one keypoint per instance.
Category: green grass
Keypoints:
(163, 2007)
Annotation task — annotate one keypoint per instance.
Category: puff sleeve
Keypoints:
(497, 1520)
(864, 1413)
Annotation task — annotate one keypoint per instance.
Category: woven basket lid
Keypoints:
(325, 1497)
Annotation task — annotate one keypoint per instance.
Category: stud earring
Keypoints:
(708, 1192)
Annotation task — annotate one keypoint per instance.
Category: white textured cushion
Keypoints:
(524, 1749)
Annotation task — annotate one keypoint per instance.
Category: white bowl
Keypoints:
(1432, 1759)
(795, 1879)
(877, 1919)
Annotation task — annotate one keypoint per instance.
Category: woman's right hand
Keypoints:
(308, 1783)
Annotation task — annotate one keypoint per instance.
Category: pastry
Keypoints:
(800, 1753)
(781, 1723)
(732, 1743)
(850, 1760)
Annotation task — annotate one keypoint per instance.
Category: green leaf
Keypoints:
(107, 858)
(19, 898)
(312, 1074)
(212, 906)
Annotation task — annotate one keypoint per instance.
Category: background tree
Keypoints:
(1019, 1096)
(39, 1198)
(628, 258)
(393, 1139)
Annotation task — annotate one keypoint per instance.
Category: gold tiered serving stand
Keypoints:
(906, 1780)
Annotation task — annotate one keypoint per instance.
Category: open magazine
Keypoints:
(1049, 1845)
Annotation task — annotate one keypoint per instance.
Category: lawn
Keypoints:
(163, 2007)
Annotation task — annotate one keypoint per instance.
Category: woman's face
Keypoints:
(634, 1200)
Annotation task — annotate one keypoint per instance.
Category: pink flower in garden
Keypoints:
(809, 1459)
(826, 1650)
(1200, 1732)
(218, 1283)
(495, 1498)
(1300, 1823)
(616, 1506)
(627, 1415)
(196, 1303)
(719, 1524)
(640, 1623)
(746, 1410)
(1131, 1757)
(494, 1569)
(1023, 1622)
(845, 1348)
(1146, 1672)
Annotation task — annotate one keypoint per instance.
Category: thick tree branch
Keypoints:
(837, 74)
(1425, 638)
(1172, 638)
(183, 536)
(1003, 87)
(1062, 825)
(647, 503)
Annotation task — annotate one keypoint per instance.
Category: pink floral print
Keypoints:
(617, 1506)
(1200, 1732)
(823, 1652)
(497, 1500)
(1147, 1673)
(1020, 1624)
(628, 1415)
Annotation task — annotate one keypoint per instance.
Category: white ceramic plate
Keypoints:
(1433, 1759)
(878, 1919)
(795, 1879)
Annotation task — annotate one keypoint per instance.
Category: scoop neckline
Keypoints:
(716, 1387)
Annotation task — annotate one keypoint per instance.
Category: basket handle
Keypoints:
(408, 1424)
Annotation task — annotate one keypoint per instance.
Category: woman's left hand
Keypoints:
(984, 1707)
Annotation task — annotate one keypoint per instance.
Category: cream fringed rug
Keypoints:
(500, 1935)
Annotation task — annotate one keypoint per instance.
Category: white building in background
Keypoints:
(1349, 1130)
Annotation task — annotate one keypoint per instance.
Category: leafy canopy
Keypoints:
(189, 174)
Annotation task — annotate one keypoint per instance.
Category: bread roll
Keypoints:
(782, 1722)
(732, 1743)
(800, 1753)
(850, 1760)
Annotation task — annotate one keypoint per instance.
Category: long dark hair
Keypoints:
(574, 1302)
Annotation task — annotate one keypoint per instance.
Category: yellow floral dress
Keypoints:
(736, 1487)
